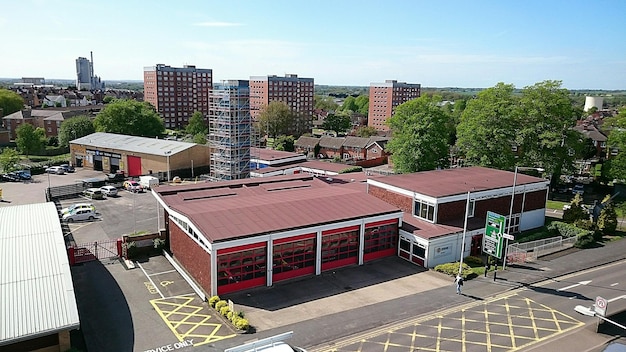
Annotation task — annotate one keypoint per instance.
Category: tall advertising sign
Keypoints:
(493, 240)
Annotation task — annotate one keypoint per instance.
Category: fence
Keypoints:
(530, 251)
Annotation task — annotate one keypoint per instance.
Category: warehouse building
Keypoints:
(109, 152)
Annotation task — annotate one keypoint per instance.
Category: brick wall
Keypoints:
(195, 260)
(402, 202)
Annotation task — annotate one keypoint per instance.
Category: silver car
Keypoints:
(55, 170)
(109, 191)
(81, 215)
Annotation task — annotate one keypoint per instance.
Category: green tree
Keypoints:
(75, 127)
(325, 103)
(130, 117)
(575, 212)
(196, 124)
(107, 99)
(486, 131)
(419, 136)
(29, 139)
(349, 104)
(545, 133)
(275, 119)
(616, 164)
(8, 158)
(199, 138)
(362, 103)
(10, 102)
(607, 220)
(337, 123)
(285, 143)
(366, 131)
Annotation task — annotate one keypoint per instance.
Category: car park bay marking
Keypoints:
(149, 278)
(187, 320)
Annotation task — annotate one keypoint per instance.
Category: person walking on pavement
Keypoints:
(459, 283)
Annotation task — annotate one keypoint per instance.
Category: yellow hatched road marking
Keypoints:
(184, 319)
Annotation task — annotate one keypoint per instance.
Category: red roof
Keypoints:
(448, 182)
(236, 209)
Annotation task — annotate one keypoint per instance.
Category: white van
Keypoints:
(147, 182)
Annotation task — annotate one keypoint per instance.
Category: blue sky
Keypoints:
(454, 43)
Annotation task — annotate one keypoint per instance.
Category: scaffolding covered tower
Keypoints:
(230, 130)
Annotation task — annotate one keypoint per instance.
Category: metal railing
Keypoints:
(530, 251)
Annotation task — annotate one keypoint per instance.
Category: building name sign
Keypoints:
(443, 251)
(101, 153)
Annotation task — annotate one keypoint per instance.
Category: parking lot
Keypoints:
(148, 308)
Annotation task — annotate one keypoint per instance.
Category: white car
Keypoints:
(81, 215)
(270, 344)
(78, 206)
(55, 170)
(132, 186)
(109, 191)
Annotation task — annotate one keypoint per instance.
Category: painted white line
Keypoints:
(614, 284)
(163, 272)
(574, 285)
(616, 298)
(189, 294)
(148, 276)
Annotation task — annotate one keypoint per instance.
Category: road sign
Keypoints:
(494, 234)
(508, 237)
(600, 306)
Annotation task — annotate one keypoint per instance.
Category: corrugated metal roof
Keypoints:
(37, 295)
(136, 144)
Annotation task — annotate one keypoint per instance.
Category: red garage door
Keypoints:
(134, 165)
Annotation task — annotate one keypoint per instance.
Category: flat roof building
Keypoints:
(177, 92)
(385, 97)
(37, 306)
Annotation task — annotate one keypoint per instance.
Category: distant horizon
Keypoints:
(318, 84)
(343, 43)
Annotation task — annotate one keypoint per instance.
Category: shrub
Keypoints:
(585, 240)
(452, 269)
(159, 243)
(224, 311)
(213, 300)
(131, 249)
(351, 169)
(474, 261)
(230, 315)
(221, 303)
(241, 324)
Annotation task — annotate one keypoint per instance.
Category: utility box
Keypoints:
(148, 182)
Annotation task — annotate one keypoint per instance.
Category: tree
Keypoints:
(275, 119)
(107, 99)
(616, 164)
(366, 131)
(325, 103)
(419, 136)
(285, 143)
(575, 212)
(362, 103)
(545, 133)
(199, 138)
(10, 102)
(339, 124)
(349, 104)
(196, 124)
(75, 127)
(486, 132)
(129, 117)
(8, 158)
(607, 220)
(29, 139)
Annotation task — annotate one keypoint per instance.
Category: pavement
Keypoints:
(336, 304)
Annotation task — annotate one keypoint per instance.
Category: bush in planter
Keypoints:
(241, 323)
(221, 303)
(214, 300)
(229, 315)
(224, 311)
(159, 244)
(131, 249)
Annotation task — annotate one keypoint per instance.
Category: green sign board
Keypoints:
(493, 242)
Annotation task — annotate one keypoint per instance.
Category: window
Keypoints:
(424, 210)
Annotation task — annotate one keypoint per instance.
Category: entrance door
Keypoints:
(134, 165)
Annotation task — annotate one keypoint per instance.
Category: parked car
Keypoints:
(10, 177)
(132, 186)
(93, 193)
(78, 206)
(109, 191)
(578, 189)
(55, 170)
(81, 215)
(561, 188)
(116, 177)
(68, 168)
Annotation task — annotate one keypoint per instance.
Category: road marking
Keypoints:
(616, 298)
(148, 276)
(166, 283)
(574, 285)
(614, 284)
(163, 272)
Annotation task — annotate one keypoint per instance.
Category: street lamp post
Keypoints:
(167, 153)
(510, 221)
(467, 206)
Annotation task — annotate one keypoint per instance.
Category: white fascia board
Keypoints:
(496, 193)
(394, 189)
(319, 171)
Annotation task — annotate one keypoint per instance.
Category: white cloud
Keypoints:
(217, 24)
